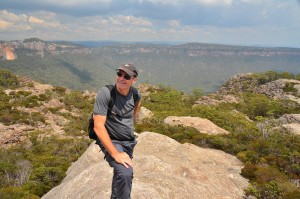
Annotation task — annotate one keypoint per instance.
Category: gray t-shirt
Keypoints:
(119, 125)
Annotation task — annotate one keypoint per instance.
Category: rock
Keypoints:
(13, 134)
(238, 84)
(291, 122)
(249, 83)
(163, 168)
(210, 100)
(290, 118)
(144, 113)
(294, 128)
(275, 89)
(202, 125)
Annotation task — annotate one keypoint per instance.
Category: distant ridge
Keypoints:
(88, 65)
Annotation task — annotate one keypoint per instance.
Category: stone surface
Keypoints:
(163, 168)
(144, 113)
(294, 128)
(202, 125)
(291, 122)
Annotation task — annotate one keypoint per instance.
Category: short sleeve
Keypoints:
(102, 101)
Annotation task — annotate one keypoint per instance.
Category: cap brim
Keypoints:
(129, 72)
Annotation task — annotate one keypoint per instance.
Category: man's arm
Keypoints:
(99, 128)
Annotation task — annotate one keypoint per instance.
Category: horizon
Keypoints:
(171, 43)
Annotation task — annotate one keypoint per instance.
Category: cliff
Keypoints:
(8, 50)
(163, 167)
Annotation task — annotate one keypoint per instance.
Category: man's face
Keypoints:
(123, 80)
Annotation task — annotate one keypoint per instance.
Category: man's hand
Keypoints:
(124, 159)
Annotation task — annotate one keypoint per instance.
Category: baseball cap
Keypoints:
(130, 69)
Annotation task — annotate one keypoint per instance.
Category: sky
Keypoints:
(238, 22)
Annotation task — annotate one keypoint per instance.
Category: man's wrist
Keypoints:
(115, 154)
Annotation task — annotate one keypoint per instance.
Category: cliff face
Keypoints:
(7, 53)
(163, 168)
(8, 50)
(200, 49)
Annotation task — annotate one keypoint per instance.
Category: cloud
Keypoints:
(226, 13)
(5, 24)
(72, 3)
(174, 23)
(214, 2)
(146, 20)
(128, 21)
(4, 14)
(33, 19)
(12, 22)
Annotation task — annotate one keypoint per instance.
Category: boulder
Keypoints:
(144, 113)
(202, 125)
(163, 168)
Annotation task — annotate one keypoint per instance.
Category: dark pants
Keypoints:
(122, 179)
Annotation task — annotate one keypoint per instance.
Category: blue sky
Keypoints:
(241, 22)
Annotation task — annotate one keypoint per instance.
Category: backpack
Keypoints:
(112, 89)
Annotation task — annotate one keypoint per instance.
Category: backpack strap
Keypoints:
(113, 94)
(135, 95)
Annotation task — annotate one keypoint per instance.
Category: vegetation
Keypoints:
(32, 168)
(271, 155)
(183, 67)
(7, 79)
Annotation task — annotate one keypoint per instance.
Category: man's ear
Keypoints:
(134, 80)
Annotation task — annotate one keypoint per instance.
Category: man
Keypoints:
(115, 128)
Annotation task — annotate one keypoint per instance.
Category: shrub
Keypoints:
(16, 193)
(8, 80)
(49, 176)
(249, 170)
(289, 87)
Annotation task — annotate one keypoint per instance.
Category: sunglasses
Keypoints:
(126, 76)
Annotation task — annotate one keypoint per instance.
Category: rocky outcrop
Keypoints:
(214, 100)
(250, 83)
(202, 125)
(143, 114)
(13, 134)
(50, 124)
(163, 168)
(275, 89)
(291, 122)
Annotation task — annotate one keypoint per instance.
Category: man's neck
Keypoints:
(123, 92)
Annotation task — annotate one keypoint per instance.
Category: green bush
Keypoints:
(271, 155)
(75, 99)
(16, 193)
(49, 158)
(259, 105)
(8, 80)
(48, 176)
(289, 87)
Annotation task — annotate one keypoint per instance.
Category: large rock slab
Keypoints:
(201, 124)
(163, 168)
